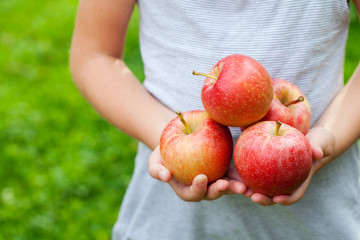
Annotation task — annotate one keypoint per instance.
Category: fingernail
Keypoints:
(162, 175)
(201, 182)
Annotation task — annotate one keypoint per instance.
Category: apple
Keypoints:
(289, 106)
(272, 158)
(192, 144)
(237, 91)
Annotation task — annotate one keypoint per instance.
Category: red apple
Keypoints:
(237, 91)
(289, 106)
(193, 144)
(273, 160)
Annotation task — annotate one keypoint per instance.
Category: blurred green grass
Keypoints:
(64, 170)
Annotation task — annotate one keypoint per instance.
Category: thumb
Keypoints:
(317, 151)
(195, 192)
(198, 187)
(321, 142)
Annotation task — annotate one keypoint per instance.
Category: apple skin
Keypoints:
(207, 150)
(297, 115)
(241, 94)
(272, 165)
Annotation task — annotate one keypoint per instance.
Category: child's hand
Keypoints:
(321, 142)
(199, 190)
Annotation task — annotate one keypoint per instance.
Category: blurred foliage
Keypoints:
(64, 170)
(352, 58)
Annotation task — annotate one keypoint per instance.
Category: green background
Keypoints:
(63, 169)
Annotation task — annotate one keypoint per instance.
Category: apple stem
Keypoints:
(204, 74)
(299, 99)
(183, 122)
(278, 125)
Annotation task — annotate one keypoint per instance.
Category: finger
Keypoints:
(317, 152)
(216, 189)
(236, 187)
(262, 199)
(283, 200)
(287, 200)
(156, 168)
(193, 193)
(322, 138)
(248, 193)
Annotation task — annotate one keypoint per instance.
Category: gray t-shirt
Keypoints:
(300, 41)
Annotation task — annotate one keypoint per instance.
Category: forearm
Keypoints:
(342, 117)
(119, 97)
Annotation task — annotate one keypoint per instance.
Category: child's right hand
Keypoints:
(199, 189)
